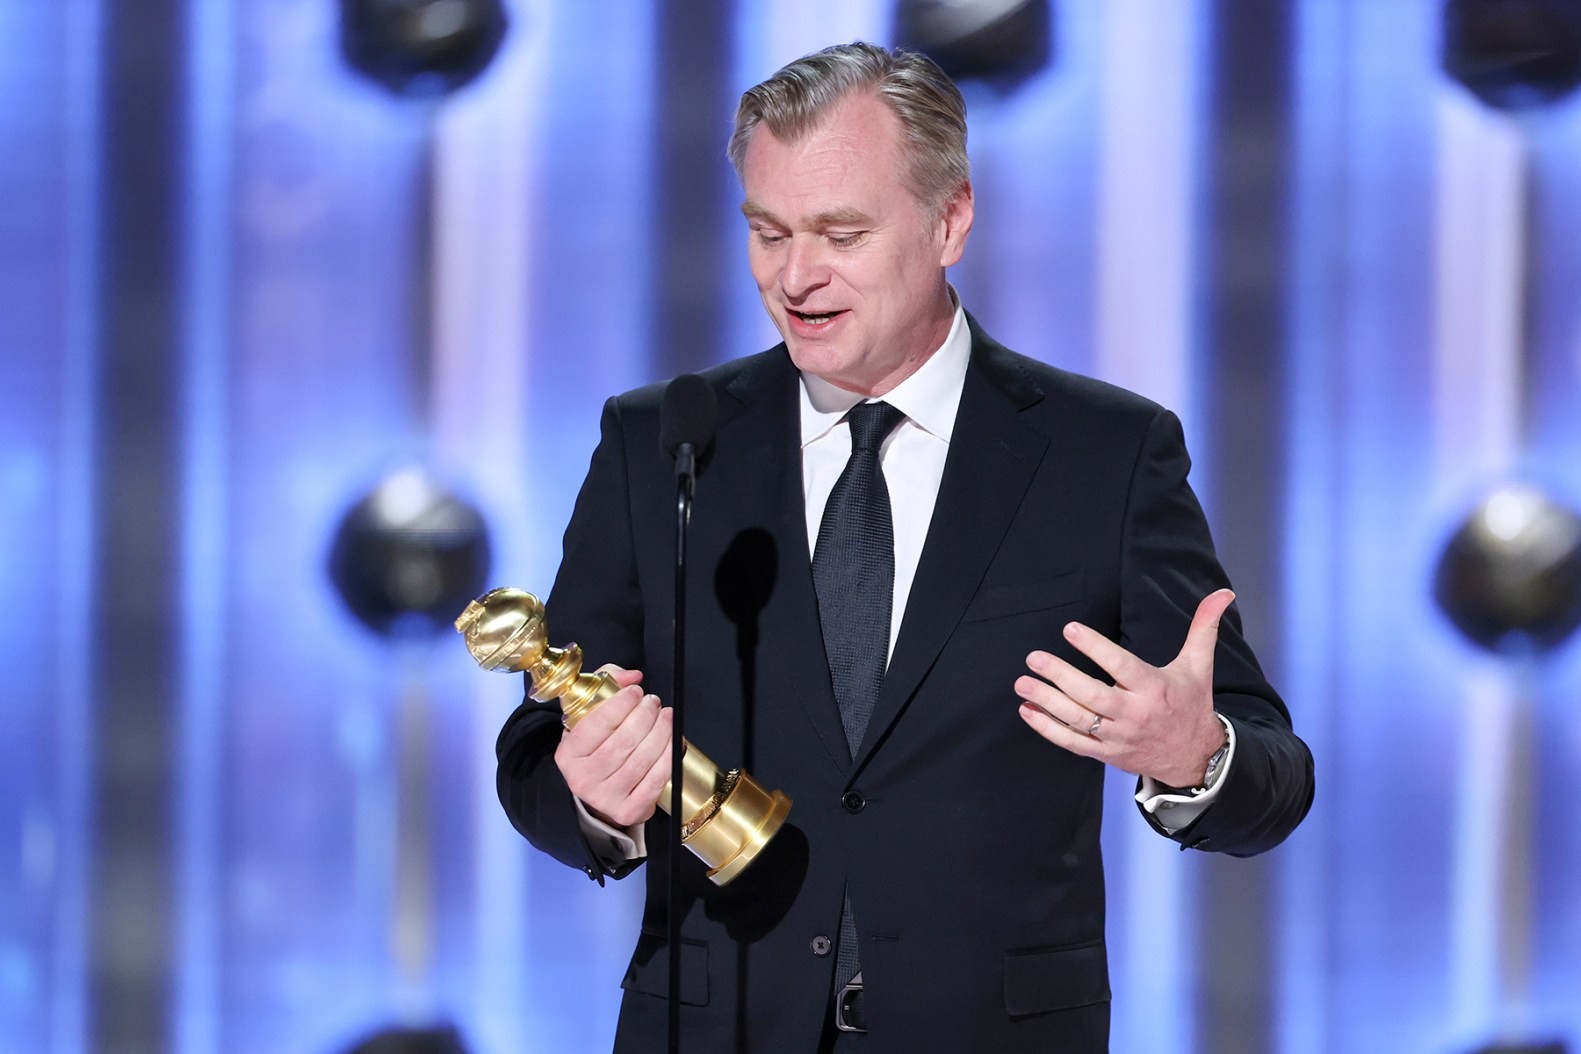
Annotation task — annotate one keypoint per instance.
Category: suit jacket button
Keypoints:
(853, 802)
(822, 946)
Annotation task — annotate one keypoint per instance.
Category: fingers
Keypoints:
(1203, 636)
(1087, 691)
(616, 759)
(1151, 719)
(631, 793)
(658, 773)
(604, 721)
(620, 675)
(1065, 694)
(1056, 732)
(1126, 669)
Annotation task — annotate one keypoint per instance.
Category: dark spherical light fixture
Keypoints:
(1510, 576)
(421, 48)
(441, 1039)
(1002, 43)
(1514, 54)
(408, 556)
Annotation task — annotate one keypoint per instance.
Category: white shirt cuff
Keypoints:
(611, 845)
(1175, 809)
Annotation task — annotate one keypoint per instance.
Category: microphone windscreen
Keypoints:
(689, 414)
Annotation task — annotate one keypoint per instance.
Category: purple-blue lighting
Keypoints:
(360, 282)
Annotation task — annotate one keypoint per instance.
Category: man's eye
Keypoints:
(845, 240)
(768, 238)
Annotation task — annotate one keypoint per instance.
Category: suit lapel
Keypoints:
(761, 430)
(992, 460)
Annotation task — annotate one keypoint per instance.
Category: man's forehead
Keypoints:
(835, 172)
(855, 112)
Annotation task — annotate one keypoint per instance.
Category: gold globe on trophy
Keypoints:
(730, 816)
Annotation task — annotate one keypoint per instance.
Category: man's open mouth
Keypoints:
(815, 319)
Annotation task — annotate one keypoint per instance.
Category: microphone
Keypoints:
(687, 419)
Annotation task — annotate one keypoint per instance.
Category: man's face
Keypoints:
(850, 267)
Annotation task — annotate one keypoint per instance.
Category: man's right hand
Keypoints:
(617, 758)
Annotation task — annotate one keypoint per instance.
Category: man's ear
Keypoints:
(955, 224)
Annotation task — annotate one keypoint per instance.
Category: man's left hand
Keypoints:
(1152, 721)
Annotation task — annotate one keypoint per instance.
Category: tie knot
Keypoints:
(870, 423)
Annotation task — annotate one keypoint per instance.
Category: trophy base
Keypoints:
(738, 830)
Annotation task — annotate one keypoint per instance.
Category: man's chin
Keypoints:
(820, 360)
(829, 366)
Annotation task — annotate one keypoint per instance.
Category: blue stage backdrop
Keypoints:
(232, 819)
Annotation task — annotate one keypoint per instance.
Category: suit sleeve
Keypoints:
(1168, 566)
(595, 603)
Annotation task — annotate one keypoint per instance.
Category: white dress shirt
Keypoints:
(912, 456)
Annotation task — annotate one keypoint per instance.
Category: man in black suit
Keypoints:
(1043, 584)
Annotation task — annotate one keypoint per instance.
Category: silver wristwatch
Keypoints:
(1215, 763)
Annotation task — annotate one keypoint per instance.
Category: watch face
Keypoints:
(1214, 764)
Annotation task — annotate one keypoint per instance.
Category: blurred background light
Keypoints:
(407, 557)
(1510, 576)
(1514, 54)
(999, 42)
(421, 48)
(1310, 225)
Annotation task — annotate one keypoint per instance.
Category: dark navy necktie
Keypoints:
(853, 569)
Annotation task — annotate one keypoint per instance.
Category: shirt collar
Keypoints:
(929, 397)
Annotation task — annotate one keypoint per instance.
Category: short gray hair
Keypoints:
(929, 106)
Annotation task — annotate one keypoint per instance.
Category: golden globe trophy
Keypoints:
(730, 816)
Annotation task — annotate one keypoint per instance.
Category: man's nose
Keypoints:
(805, 268)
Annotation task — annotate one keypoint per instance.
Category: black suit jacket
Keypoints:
(970, 844)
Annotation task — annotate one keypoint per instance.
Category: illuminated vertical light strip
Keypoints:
(1483, 785)
(746, 326)
(1151, 114)
(1555, 453)
(1028, 271)
(484, 181)
(1150, 98)
(1383, 526)
(1479, 276)
(205, 285)
(68, 1011)
(1320, 100)
(1363, 313)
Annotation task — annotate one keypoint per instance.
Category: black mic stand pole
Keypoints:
(685, 481)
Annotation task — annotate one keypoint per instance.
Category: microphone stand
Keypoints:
(685, 482)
